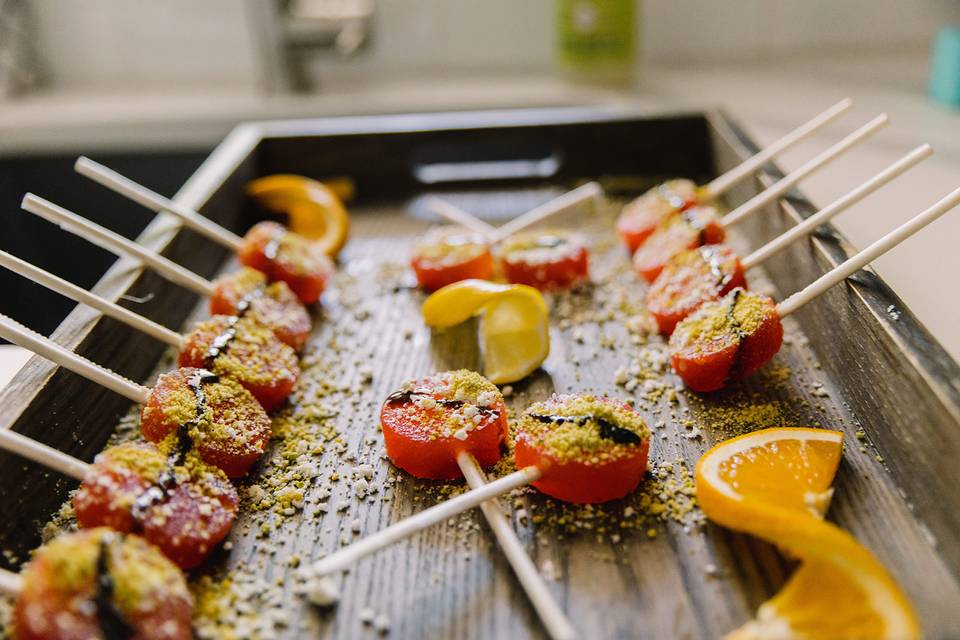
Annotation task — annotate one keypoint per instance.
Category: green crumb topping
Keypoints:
(141, 574)
(143, 460)
(723, 322)
(451, 404)
(588, 440)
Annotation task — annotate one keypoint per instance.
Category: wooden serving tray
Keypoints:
(857, 360)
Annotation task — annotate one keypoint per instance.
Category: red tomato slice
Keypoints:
(273, 305)
(233, 431)
(448, 255)
(285, 256)
(725, 340)
(547, 261)
(588, 449)
(641, 217)
(428, 423)
(688, 230)
(690, 279)
(185, 510)
(247, 352)
(57, 600)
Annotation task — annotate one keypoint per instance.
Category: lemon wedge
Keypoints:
(313, 208)
(775, 484)
(514, 333)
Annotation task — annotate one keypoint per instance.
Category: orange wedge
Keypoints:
(313, 208)
(775, 484)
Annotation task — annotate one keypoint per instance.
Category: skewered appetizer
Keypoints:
(641, 217)
(247, 292)
(286, 256)
(690, 279)
(547, 261)
(99, 583)
(164, 493)
(242, 349)
(428, 422)
(726, 339)
(589, 449)
(449, 254)
(694, 227)
(226, 425)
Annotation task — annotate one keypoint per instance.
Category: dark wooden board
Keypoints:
(849, 366)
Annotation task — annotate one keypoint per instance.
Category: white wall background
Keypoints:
(130, 44)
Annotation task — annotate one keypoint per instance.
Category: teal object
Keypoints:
(945, 67)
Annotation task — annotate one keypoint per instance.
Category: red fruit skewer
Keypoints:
(98, 583)
(228, 426)
(709, 272)
(179, 504)
(732, 337)
(267, 246)
(642, 216)
(702, 225)
(243, 292)
(231, 346)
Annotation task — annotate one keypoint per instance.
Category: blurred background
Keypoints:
(151, 87)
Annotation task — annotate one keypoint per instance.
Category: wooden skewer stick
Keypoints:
(10, 583)
(42, 454)
(436, 514)
(842, 271)
(781, 242)
(723, 183)
(784, 184)
(570, 199)
(455, 214)
(83, 296)
(16, 333)
(156, 202)
(554, 619)
(115, 243)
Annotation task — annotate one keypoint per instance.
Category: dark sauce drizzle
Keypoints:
(738, 331)
(220, 344)
(159, 491)
(608, 430)
(112, 622)
(404, 395)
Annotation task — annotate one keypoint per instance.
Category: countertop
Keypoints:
(768, 98)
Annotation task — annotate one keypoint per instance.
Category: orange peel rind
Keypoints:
(775, 484)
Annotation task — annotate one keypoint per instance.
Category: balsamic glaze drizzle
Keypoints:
(407, 395)
(608, 430)
(220, 344)
(159, 491)
(112, 622)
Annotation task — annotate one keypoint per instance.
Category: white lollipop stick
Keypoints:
(455, 214)
(784, 184)
(10, 583)
(842, 271)
(795, 233)
(156, 202)
(16, 333)
(570, 199)
(554, 619)
(83, 296)
(42, 454)
(115, 243)
(723, 183)
(347, 556)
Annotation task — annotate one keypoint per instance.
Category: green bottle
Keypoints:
(596, 39)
